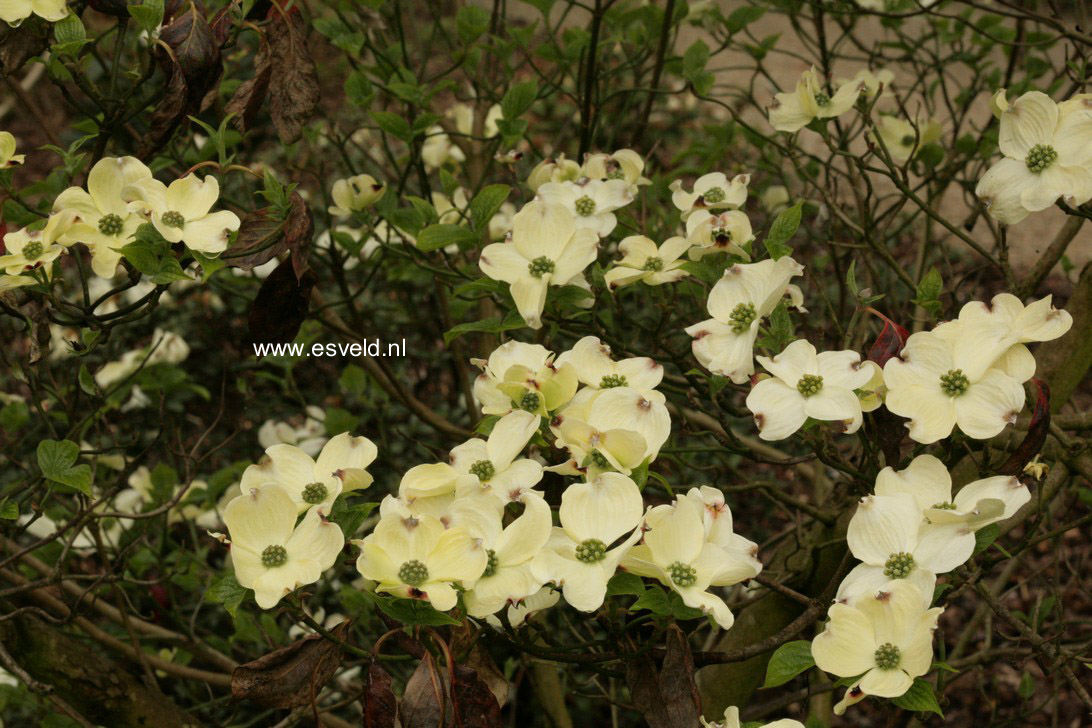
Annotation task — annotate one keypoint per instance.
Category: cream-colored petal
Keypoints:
(260, 518)
(883, 525)
(778, 409)
(1029, 120)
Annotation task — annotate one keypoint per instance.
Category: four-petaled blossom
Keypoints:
(491, 466)
(105, 221)
(938, 390)
(793, 110)
(886, 638)
(557, 169)
(806, 384)
(711, 191)
(354, 194)
(890, 537)
(1047, 150)
(181, 212)
(547, 249)
(271, 554)
(508, 577)
(624, 164)
(977, 504)
(599, 426)
(525, 377)
(578, 557)
(594, 367)
(29, 248)
(675, 551)
(310, 482)
(726, 231)
(747, 293)
(417, 558)
(643, 261)
(14, 12)
(591, 202)
(1002, 327)
(8, 157)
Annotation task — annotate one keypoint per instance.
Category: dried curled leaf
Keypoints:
(292, 675)
(294, 87)
(379, 705)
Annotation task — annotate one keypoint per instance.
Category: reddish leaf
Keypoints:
(292, 675)
(247, 100)
(379, 704)
(299, 230)
(1037, 433)
(425, 700)
(294, 87)
(473, 701)
(667, 698)
(281, 305)
(260, 239)
(890, 341)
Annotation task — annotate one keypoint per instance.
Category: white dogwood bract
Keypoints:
(492, 465)
(644, 261)
(723, 231)
(523, 376)
(590, 202)
(806, 384)
(793, 110)
(182, 211)
(713, 191)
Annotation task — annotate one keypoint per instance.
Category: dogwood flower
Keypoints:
(463, 116)
(8, 157)
(886, 638)
(901, 139)
(990, 330)
(598, 429)
(14, 12)
(105, 221)
(354, 194)
(523, 376)
(547, 248)
(556, 169)
(417, 558)
(977, 504)
(731, 720)
(806, 384)
(717, 522)
(309, 437)
(591, 361)
(643, 261)
(310, 482)
(271, 554)
(578, 556)
(30, 248)
(437, 149)
(1047, 150)
(675, 551)
(711, 191)
(889, 536)
(927, 384)
(591, 202)
(491, 466)
(508, 576)
(792, 111)
(747, 293)
(624, 164)
(181, 212)
(167, 347)
(724, 232)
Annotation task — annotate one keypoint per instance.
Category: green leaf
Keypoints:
(486, 203)
(350, 517)
(359, 90)
(781, 330)
(782, 229)
(87, 382)
(148, 15)
(393, 124)
(9, 510)
(512, 130)
(353, 379)
(13, 416)
(518, 99)
(742, 17)
(625, 583)
(928, 293)
(493, 325)
(227, 591)
(486, 424)
(442, 235)
(69, 35)
(984, 538)
(919, 698)
(338, 421)
(470, 22)
(208, 265)
(58, 463)
(411, 611)
(788, 661)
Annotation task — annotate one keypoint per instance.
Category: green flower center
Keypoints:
(822, 99)
(484, 469)
(742, 316)
(314, 493)
(491, 567)
(413, 573)
(887, 656)
(945, 506)
(654, 264)
(713, 195)
(540, 266)
(274, 556)
(591, 551)
(682, 574)
(173, 219)
(616, 174)
(599, 460)
(1040, 157)
(907, 141)
(611, 381)
(111, 224)
(585, 206)
(809, 384)
(954, 383)
(32, 250)
(898, 565)
(529, 401)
